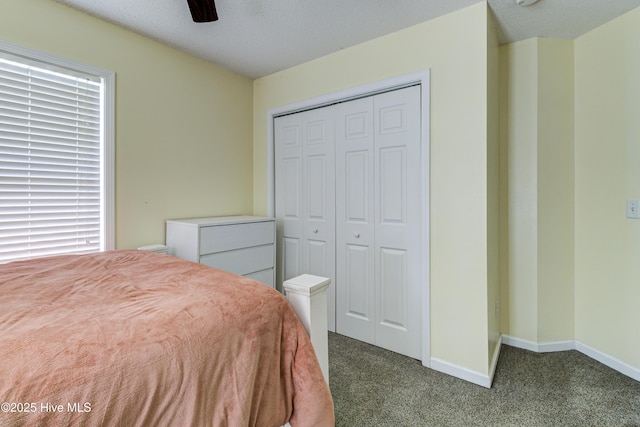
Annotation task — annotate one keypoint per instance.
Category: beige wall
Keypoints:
(539, 294)
(493, 185)
(571, 142)
(183, 126)
(555, 190)
(520, 115)
(539, 287)
(454, 47)
(607, 274)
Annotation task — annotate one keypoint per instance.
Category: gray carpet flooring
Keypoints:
(375, 387)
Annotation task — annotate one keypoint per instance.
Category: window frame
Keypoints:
(43, 59)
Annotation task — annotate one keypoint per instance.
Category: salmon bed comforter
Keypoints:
(135, 338)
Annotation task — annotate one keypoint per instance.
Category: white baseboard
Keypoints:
(612, 362)
(466, 373)
(605, 359)
(494, 360)
(546, 347)
(461, 372)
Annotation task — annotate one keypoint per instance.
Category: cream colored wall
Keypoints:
(493, 184)
(607, 258)
(573, 269)
(555, 190)
(539, 286)
(519, 287)
(454, 47)
(183, 126)
(504, 228)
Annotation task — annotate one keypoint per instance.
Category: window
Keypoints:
(56, 156)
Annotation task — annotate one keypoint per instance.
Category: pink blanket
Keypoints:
(133, 338)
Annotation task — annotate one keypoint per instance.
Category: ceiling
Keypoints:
(255, 38)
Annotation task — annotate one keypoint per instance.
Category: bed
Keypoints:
(135, 338)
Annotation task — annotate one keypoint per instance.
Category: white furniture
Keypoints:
(243, 245)
(307, 295)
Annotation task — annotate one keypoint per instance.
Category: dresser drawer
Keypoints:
(242, 261)
(264, 276)
(235, 236)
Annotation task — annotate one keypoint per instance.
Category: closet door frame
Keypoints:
(421, 78)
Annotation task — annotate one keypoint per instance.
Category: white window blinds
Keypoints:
(50, 162)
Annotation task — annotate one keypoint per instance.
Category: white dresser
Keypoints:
(240, 244)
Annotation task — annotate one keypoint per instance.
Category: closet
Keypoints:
(348, 203)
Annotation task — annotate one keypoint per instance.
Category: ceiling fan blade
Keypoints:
(203, 10)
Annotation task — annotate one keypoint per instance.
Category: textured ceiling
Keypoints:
(255, 38)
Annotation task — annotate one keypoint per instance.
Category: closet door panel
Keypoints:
(354, 220)
(356, 182)
(393, 185)
(317, 261)
(292, 171)
(357, 280)
(316, 194)
(319, 199)
(357, 294)
(398, 225)
(305, 197)
(290, 263)
(395, 297)
(289, 182)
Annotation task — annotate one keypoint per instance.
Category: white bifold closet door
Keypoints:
(350, 209)
(305, 198)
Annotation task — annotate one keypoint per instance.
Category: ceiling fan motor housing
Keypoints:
(203, 10)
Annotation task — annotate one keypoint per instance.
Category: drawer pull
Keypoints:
(315, 230)
(357, 235)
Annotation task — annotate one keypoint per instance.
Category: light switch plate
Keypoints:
(632, 209)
